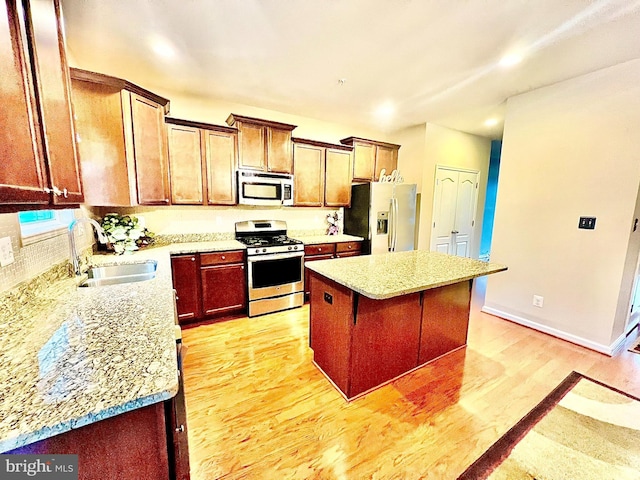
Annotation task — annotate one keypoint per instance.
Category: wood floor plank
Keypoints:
(258, 408)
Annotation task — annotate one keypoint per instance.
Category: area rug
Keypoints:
(583, 430)
(635, 348)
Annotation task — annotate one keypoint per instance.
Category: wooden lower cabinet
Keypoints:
(323, 251)
(186, 283)
(385, 340)
(130, 446)
(326, 251)
(223, 289)
(348, 249)
(445, 320)
(361, 343)
(209, 284)
(149, 443)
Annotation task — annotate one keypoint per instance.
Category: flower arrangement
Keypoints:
(124, 233)
(333, 220)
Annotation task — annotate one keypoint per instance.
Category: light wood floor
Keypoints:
(259, 409)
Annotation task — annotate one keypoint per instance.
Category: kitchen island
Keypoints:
(376, 317)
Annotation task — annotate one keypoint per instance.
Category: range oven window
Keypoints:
(271, 273)
(262, 191)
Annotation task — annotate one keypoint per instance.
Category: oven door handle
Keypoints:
(275, 256)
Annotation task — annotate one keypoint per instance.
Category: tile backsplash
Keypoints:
(36, 258)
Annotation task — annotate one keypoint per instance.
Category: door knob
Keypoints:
(454, 232)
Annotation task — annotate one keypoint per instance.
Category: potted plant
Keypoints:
(124, 233)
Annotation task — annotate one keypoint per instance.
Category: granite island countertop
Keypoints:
(388, 275)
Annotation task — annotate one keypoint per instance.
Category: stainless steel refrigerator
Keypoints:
(384, 214)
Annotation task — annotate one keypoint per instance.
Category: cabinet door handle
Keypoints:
(350, 247)
(319, 249)
(193, 259)
(180, 429)
(223, 257)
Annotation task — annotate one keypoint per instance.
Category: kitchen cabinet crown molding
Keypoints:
(118, 83)
(316, 143)
(234, 118)
(352, 140)
(206, 126)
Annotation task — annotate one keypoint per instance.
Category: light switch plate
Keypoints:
(6, 252)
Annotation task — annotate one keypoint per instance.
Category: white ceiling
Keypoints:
(435, 60)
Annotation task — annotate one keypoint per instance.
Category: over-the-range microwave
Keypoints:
(266, 189)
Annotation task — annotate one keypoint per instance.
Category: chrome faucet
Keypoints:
(73, 250)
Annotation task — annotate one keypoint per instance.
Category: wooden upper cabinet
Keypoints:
(386, 159)
(53, 89)
(203, 162)
(121, 141)
(364, 161)
(338, 168)
(38, 163)
(221, 160)
(308, 186)
(185, 165)
(279, 150)
(252, 142)
(150, 150)
(263, 144)
(322, 173)
(371, 156)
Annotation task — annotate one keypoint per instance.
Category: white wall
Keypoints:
(569, 150)
(411, 153)
(218, 219)
(216, 111)
(447, 147)
(33, 259)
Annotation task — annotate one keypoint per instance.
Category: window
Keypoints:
(37, 225)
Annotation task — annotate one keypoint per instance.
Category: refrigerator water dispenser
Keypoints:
(383, 223)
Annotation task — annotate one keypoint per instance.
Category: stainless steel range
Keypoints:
(275, 266)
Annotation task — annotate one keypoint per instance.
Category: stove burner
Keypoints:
(269, 241)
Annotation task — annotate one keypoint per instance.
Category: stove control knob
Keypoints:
(295, 247)
(257, 250)
(264, 250)
(289, 247)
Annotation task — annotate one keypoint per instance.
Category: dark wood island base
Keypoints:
(361, 344)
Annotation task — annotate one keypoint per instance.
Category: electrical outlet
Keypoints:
(538, 301)
(6, 252)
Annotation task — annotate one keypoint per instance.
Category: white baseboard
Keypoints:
(583, 342)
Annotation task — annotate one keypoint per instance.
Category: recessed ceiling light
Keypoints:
(510, 60)
(490, 122)
(162, 47)
(385, 111)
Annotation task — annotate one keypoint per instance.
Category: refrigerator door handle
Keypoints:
(390, 235)
(396, 215)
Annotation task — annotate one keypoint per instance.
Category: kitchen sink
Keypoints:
(122, 273)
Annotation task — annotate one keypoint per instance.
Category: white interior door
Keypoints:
(444, 209)
(454, 210)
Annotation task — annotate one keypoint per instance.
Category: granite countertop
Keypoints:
(389, 275)
(318, 239)
(72, 356)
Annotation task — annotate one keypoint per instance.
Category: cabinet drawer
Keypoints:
(325, 256)
(320, 249)
(220, 258)
(348, 247)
